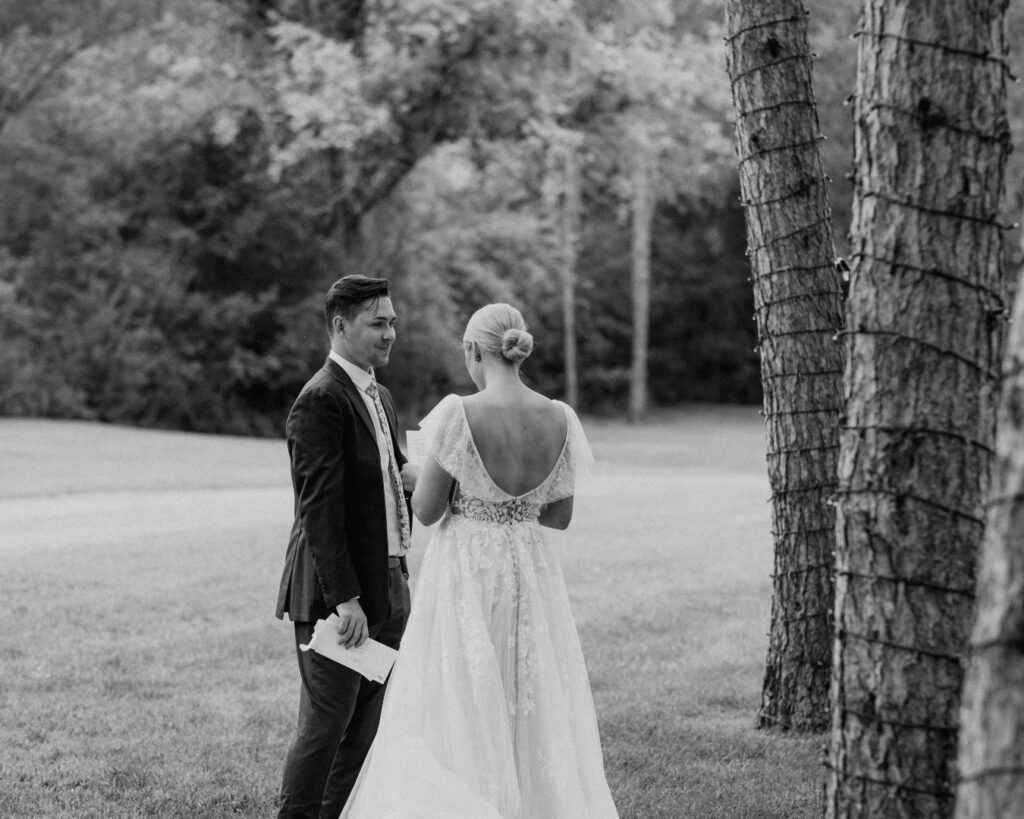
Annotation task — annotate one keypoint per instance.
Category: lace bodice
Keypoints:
(478, 496)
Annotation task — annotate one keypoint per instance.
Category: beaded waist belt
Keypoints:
(514, 511)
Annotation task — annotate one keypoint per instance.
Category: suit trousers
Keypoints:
(339, 710)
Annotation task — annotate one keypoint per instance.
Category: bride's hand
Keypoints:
(410, 475)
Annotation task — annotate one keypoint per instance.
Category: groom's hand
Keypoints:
(352, 628)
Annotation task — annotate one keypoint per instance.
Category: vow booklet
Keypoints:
(372, 659)
(416, 446)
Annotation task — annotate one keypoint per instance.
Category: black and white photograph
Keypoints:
(511, 409)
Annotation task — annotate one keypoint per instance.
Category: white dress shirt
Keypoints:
(362, 378)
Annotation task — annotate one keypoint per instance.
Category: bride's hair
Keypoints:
(500, 329)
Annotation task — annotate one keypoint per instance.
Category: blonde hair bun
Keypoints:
(500, 330)
(516, 345)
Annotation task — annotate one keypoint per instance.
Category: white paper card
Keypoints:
(372, 659)
(416, 446)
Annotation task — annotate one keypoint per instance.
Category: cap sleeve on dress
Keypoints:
(576, 461)
(446, 434)
(579, 447)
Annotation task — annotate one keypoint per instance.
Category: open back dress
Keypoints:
(488, 712)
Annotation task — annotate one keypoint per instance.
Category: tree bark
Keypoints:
(799, 308)
(924, 342)
(991, 756)
(643, 216)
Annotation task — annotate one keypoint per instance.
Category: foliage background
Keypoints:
(181, 180)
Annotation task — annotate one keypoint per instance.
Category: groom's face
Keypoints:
(366, 338)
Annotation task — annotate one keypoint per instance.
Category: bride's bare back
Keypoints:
(519, 437)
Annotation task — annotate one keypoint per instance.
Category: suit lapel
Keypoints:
(354, 397)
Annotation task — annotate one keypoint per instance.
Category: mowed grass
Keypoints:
(142, 672)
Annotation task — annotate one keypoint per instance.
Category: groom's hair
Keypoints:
(347, 294)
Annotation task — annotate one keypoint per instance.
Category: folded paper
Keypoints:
(372, 659)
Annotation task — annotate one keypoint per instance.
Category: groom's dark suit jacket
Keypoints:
(339, 542)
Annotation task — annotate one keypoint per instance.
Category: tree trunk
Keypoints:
(799, 307)
(643, 216)
(991, 757)
(562, 197)
(922, 350)
(573, 214)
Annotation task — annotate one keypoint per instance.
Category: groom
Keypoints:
(346, 554)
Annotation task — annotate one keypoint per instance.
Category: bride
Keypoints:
(488, 713)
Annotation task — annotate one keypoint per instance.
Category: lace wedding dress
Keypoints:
(488, 713)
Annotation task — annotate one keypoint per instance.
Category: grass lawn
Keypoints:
(142, 672)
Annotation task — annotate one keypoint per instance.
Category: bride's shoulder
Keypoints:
(482, 404)
(539, 402)
(574, 432)
(564, 408)
(443, 413)
(450, 401)
(560, 409)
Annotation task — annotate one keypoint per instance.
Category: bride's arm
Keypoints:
(557, 515)
(431, 495)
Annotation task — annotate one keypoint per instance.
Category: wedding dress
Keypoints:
(488, 713)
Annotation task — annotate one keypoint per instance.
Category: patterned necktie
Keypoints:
(396, 478)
